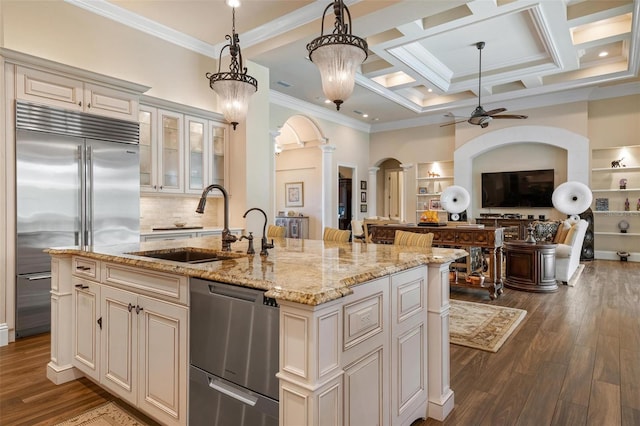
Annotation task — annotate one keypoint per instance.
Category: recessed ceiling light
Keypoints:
(603, 54)
(233, 3)
(429, 90)
(327, 101)
(365, 115)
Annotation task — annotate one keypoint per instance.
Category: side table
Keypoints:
(530, 266)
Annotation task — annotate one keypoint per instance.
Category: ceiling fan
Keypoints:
(480, 117)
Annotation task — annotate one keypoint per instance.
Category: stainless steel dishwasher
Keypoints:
(234, 356)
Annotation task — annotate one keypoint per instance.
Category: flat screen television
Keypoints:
(529, 188)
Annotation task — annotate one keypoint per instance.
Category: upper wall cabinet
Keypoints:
(180, 152)
(74, 94)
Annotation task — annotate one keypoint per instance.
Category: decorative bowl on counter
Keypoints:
(179, 224)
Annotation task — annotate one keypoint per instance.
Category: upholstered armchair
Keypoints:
(569, 237)
(568, 252)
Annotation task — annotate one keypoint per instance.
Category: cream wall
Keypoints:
(302, 165)
(435, 143)
(614, 122)
(70, 35)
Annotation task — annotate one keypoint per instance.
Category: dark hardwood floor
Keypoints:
(574, 360)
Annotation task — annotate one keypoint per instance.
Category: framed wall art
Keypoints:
(363, 185)
(363, 208)
(294, 194)
(434, 204)
(363, 197)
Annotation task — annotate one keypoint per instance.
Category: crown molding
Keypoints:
(140, 23)
(316, 111)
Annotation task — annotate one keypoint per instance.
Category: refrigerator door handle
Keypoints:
(89, 204)
(81, 237)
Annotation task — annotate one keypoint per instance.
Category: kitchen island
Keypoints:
(364, 328)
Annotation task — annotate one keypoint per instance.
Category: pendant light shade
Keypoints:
(338, 55)
(234, 88)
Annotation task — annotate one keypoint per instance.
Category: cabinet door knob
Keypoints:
(138, 309)
(80, 103)
(100, 322)
(130, 307)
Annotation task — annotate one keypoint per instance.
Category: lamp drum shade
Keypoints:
(455, 199)
(572, 198)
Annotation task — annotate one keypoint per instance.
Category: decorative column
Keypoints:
(403, 191)
(440, 395)
(372, 191)
(329, 184)
(274, 190)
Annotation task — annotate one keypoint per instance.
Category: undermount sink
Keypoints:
(187, 255)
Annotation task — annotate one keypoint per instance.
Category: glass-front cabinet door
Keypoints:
(196, 135)
(148, 144)
(171, 157)
(218, 133)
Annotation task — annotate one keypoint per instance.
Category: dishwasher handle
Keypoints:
(45, 276)
(235, 293)
(234, 393)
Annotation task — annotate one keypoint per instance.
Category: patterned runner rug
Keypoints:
(482, 326)
(108, 414)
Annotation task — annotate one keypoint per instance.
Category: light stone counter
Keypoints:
(310, 272)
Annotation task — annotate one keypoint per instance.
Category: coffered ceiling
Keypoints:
(423, 61)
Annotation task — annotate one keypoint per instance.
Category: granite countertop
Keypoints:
(304, 271)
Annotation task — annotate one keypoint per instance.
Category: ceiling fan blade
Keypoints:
(452, 123)
(512, 116)
(495, 111)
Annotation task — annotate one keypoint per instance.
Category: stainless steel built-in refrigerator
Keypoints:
(77, 184)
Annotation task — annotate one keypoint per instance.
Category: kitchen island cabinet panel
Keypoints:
(144, 359)
(86, 323)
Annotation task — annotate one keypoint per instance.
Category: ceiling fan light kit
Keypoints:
(234, 88)
(338, 55)
(480, 117)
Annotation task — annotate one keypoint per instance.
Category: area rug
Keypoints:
(108, 414)
(576, 276)
(482, 326)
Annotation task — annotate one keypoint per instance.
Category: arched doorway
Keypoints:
(299, 161)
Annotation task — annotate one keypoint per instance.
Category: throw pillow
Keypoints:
(545, 231)
(571, 235)
(561, 234)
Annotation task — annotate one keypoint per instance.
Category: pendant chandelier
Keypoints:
(338, 55)
(234, 88)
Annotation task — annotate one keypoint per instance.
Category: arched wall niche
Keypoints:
(575, 145)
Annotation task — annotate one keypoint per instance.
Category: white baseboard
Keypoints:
(611, 255)
(4, 334)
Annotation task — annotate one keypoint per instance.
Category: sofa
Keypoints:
(569, 236)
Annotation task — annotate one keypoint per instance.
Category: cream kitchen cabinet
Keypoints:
(144, 353)
(180, 152)
(161, 150)
(86, 325)
(75, 94)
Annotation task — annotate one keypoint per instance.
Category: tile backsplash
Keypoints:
(161, 212)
